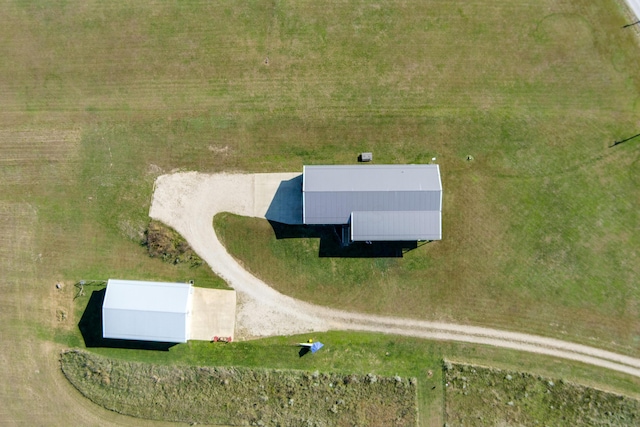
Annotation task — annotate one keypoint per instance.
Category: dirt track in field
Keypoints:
(188, 201)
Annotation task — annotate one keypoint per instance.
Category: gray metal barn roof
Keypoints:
(147, 311)
(396, 226)
(331, 193)
(356, 178)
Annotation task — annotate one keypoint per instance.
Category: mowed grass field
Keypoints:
(541, 228)
(97, 99)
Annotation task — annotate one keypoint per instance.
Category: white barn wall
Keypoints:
(147, 311)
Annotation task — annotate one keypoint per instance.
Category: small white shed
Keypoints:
(147, 311)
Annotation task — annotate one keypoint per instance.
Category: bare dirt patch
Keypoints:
(164, 243)
(218, 149)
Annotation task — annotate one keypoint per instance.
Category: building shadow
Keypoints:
(300, 231)
(286, 206)
(304, 351)
(90, 326)
(333, 248)
(285, 216)
(331, 245)
(624, 140)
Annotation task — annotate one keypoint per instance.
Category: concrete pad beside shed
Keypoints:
(213, 314)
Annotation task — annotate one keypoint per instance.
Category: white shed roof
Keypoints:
(147, 311)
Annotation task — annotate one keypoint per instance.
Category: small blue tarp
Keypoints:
(316, 346)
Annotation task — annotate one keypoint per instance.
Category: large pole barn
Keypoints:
(375, 202)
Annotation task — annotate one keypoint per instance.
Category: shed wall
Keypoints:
(145, 325)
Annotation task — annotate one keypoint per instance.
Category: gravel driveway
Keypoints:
(188, 201)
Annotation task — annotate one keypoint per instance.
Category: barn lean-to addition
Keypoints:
(375, 202)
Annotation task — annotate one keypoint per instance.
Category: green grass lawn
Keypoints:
(541, 228)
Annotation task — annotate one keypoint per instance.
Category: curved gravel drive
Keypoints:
(188, 201)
